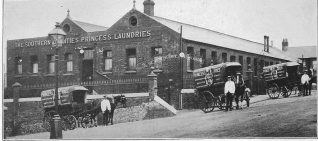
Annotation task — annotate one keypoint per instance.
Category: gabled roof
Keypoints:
(195, 33)
(90, 27)
(303, 51)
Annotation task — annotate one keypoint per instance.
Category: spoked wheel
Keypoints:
(273, 92)
(286, 92)
(70, 122)
(207, 102)
(86, 121)
(48, 117)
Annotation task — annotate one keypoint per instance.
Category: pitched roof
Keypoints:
(303, 51)
(90, 27)
(208, 36)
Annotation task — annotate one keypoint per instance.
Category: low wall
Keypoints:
(31, 114)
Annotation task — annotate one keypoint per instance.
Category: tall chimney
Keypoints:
(285, 45)
(149, 7)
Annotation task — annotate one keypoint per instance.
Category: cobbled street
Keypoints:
(284, 117)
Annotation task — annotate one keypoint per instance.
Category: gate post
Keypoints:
(16, 94)
(152, 85)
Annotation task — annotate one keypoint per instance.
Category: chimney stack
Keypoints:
(266, 43)
(149, 7)
(285, 45)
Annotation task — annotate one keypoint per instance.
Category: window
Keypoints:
(66, 28)
(214, 57)
(271, 63)
(88, 54)
(133, 21)
(224, 57)
(108, 61)
(202, 57)
(232, 58)
(277, 62)
(266, 63)
(157, 57)
(131, 55)
(18, 64)
(255, 66)
(34, 64)
(69, 62)
(248, 61)
(51, 63)
(190, 61)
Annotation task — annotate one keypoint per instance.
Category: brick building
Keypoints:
(117, 59)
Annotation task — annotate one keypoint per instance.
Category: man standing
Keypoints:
(305, 82)
(229, 90)
(310, 74)
(105, 107)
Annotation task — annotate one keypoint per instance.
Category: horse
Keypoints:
(113, 103)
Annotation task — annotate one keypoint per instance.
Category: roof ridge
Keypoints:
(89, 23)
(208, 29)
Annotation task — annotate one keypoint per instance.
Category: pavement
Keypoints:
(158, 128)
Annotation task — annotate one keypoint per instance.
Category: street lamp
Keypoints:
(57, 36)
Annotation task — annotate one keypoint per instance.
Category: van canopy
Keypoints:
(67, 89)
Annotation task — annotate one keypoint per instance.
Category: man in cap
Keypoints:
(229, 89)
(105, 107)
(305, 82)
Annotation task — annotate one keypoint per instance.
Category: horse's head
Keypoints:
(120, 99)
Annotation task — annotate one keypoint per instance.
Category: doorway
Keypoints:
(87, 70)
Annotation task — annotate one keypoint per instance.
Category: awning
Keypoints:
(289, 64)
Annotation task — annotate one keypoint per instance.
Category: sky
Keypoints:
(295, 20)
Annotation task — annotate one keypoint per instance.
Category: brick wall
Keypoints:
(31, 114)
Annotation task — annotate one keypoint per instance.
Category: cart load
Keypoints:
(209, 84)
(66, 95)
(281, 79)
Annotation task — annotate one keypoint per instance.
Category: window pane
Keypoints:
(35, 68)
(51, 67)
(19, 68)
(88, 54)
(69, 66)
(132, 63)
(108, 64)
(158, 62)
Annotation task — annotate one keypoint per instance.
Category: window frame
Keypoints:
(190, 56)
(18, 65)
(131, 56)
(108, 56)
(224, 57)
(51, 63)
(203, 58)
(69, 60)
(157, 55)
(34, 62)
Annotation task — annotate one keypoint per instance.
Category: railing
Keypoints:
(88, 83)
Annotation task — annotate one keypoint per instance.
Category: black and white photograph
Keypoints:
(159, 69)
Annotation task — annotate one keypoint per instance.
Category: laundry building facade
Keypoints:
(117, 59)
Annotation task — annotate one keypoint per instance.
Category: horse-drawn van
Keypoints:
(209, 84)
(281, 79)
(72, 104)
(76, 106)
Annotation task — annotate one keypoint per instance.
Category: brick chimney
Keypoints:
(285, 45)
(266, 43)
(149, 7)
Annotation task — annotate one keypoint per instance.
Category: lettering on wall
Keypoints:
(96, 38)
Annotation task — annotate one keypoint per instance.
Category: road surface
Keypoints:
(285, 117)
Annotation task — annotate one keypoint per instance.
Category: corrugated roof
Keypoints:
(304, 51)
(204, 35)
(90, 27)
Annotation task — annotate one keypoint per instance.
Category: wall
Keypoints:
(31, 114)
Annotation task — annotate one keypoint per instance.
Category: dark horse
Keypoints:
(113, 104)
(90, 115)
